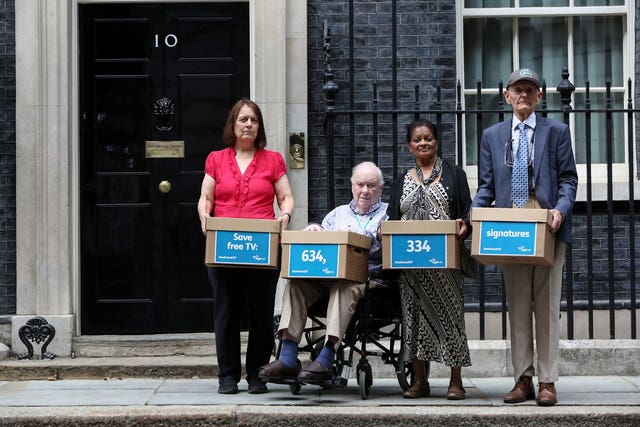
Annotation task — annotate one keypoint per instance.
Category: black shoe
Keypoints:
(227, 385)
(256, 386)
(314, 372)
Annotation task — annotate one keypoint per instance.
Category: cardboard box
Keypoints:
(420, 244)
(512, 236)
(326, 255)
(242, 242)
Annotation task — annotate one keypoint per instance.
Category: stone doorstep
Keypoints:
(194, 344)
(109, 367)
(489, 358)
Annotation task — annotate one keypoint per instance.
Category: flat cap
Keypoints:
(524, 74)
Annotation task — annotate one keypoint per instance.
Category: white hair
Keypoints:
(363, 165)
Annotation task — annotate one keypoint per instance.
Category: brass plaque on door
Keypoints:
(164, 149)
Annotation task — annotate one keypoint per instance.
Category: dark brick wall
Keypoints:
(600, 281)
(426, 57)
(7, 159)
(607, 234)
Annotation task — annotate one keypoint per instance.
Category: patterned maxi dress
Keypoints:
(432, 298)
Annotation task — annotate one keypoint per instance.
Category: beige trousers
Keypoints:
(299, 295)
(535, 291)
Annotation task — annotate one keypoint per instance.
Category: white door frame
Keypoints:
(47, 163)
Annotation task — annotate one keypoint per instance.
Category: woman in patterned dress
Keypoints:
(432, 300)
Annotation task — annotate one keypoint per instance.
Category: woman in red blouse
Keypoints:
(241, 181)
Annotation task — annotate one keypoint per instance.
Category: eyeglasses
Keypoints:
(508, 152)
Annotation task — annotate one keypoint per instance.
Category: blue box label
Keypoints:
(507, 238)
(242, 247)
(313, 260)
(418, 251)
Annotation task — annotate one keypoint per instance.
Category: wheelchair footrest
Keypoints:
(336, 381)
(339, 382)
(286, 381)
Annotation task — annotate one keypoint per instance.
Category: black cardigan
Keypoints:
(458, 192)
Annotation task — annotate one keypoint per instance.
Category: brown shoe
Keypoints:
(417, 389)
(277, 372)
(546, 394)
(523, 390)
(456, 392)
(315, 373)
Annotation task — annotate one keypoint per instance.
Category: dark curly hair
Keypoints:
(419, 123)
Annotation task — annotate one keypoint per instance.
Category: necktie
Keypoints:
(520, 173)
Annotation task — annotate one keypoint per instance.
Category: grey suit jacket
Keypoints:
(554, 169)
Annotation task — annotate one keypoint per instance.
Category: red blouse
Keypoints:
(248, 195)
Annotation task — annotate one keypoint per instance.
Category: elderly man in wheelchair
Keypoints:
(362, 215)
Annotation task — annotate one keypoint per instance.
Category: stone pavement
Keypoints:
(583, 401)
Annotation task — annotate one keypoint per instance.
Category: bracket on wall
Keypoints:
(37, 329)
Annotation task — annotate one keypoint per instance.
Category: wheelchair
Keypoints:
(375, 330)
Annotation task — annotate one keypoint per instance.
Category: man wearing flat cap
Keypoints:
(528, 162)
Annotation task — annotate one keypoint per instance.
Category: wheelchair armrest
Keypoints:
(385, 277)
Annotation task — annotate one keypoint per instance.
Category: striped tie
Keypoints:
(520, 173)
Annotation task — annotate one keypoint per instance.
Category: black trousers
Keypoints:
(238, 293)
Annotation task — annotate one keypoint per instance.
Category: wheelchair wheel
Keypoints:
(317, 348)
(277, 342)
(365, 379)
(339, 363)
(404, 371)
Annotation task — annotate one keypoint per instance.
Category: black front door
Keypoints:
(156, 84)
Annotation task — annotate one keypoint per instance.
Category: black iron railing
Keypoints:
(591, 286)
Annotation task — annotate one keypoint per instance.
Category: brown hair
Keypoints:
(229, 135)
